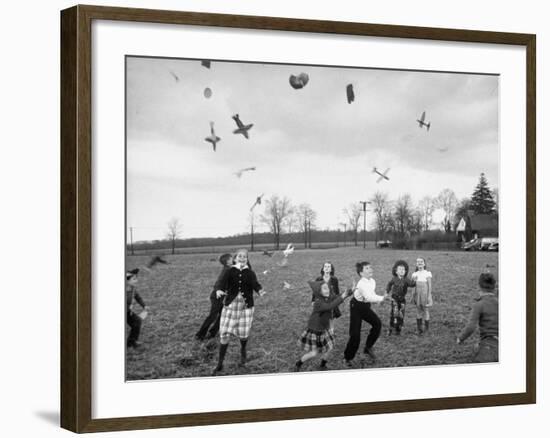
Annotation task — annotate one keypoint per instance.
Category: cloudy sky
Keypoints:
(308, 144)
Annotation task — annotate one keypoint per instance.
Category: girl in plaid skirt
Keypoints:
(237, 286)
(318, 338)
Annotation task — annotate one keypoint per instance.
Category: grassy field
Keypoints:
(177, 297)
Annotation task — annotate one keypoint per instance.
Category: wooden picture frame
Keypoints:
(76, 217)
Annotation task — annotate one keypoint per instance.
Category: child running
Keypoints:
(422, 295)
(212, 321)
(360, 310)
(318, 338)
(397, 288)
(237, 288)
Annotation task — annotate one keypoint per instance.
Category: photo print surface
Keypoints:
(297, 218)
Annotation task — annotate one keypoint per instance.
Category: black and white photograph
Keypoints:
(288, 218)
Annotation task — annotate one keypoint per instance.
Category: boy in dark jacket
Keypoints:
(132, 318)
(216, 304)
(485, 316)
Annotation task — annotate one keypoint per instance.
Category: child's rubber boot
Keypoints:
(419, 326)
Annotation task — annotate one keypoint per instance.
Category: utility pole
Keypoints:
(309, 231)
(364, 222)
(252, 231)
(132, 240)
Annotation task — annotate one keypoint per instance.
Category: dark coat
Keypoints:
(485, 316)
(334, 290)
(322, 309)
(131, 295)
(236, 281)
(398, 288)
(218, 283)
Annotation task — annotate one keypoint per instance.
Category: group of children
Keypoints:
(232, 309)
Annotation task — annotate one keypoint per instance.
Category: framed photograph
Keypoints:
(268, 219)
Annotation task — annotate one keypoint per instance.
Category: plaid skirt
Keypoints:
(236, 319)
(320, 342)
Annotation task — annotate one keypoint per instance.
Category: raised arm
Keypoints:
(322, 306)
(472, 323)
(139, 300)
(369, 293)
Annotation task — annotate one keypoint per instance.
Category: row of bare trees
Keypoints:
(400, 216)
(280, 215)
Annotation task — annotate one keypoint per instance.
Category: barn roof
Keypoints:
(483, 221)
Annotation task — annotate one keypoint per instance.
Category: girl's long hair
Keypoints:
(332, 270)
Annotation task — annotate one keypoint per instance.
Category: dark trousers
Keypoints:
(487, 351)
(213, 318)
(397, 315)
(360, 312)
(134, 322)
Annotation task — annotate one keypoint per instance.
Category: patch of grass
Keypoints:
(178, 299)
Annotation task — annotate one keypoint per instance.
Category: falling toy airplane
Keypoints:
(156, 260)
(289, 250)
(349, 93)
(212, 138)
(241, 128)
(175, 76)
(422, 123)
(246, 169)
(383, 175)
(258, 201)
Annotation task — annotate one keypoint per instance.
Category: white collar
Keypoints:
(237, 265)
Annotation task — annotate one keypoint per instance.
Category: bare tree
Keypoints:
(426, 208)
(290, 222)
(416, 225)
(306, 218)
(381, 206)
(174, 231)
(403, 214)
(447, 201)
(276, 211)
(353, 214)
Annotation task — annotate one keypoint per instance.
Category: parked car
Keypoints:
(488, 242)
(472, 245)
(481, 244)
(383, 244)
